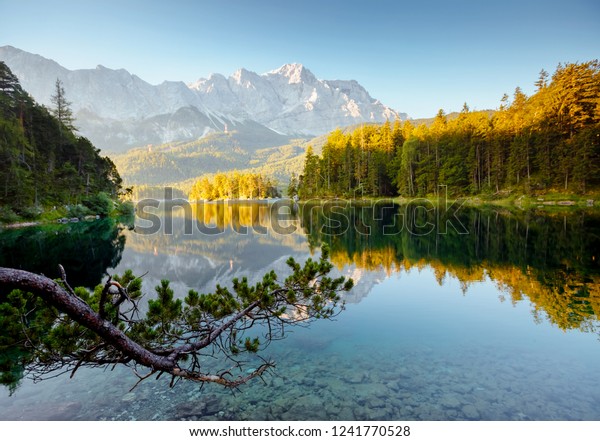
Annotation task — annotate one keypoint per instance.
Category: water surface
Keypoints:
(499, 323)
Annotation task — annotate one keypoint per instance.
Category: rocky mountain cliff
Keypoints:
(118, 110)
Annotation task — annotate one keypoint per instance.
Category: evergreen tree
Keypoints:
(61, 107)
(292, 188)
(311, 175)
(542, 81)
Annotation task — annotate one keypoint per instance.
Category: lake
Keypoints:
(457, 313)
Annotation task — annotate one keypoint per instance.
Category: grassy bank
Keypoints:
(546, 201)
(550, 201)
(37, 216)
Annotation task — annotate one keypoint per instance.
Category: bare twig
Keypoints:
(63, 277)
(141, 378)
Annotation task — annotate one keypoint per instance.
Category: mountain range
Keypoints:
(117, 110)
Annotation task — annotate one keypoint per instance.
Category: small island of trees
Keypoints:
(234, 185)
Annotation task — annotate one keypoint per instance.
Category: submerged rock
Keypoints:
(128, 397)
(187, 411)
(470, 412)
(450, 402)
(212, 405)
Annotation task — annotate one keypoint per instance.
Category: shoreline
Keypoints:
(550, 203)
(21, 224)
(523, 202)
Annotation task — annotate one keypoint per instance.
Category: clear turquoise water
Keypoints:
(405, 348)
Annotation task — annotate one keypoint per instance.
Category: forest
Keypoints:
(549, 141)
(234, 185)
(45, 165)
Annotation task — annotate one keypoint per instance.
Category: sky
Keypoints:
(415, 56)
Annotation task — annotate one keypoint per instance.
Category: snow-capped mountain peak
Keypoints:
(115, 106)
(295, 73)
(244, 77)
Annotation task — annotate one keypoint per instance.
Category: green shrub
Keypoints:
(7, 215)
(125, 209)
(78, 211)
(29, 213)
(100, 203)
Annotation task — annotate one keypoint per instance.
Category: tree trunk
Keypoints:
(80, 312)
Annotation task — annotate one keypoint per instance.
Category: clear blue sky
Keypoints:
(415, 56)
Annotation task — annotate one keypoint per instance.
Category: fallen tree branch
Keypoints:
(172, 337)
(82, 313)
